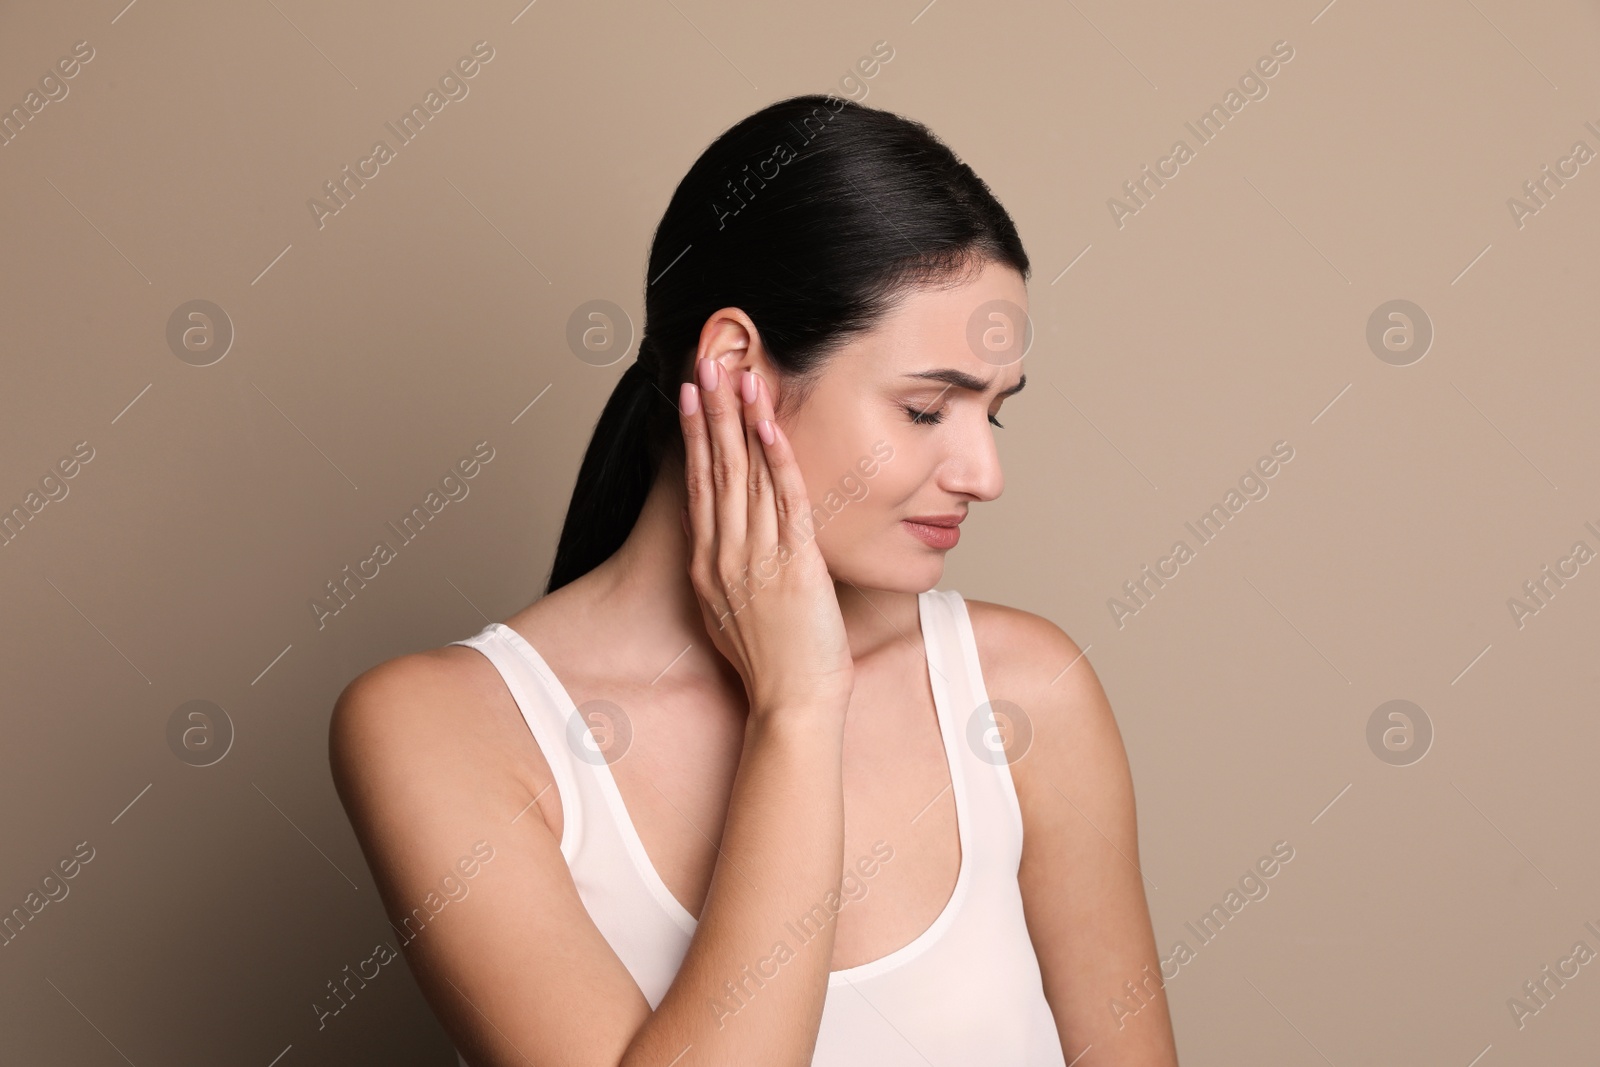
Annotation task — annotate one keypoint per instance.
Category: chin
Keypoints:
(897, 570)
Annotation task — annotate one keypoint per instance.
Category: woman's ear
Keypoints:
(726, 337)
(730, 337)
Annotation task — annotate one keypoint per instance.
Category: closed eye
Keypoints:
(933, 418)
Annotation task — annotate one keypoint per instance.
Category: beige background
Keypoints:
(426, 316)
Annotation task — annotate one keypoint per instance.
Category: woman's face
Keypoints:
(898, 428)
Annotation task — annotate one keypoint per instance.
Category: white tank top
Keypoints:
(966, 991)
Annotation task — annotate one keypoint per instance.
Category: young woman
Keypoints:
(743, 786)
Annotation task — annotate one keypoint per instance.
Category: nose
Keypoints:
(973, 466)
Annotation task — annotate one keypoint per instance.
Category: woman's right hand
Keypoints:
(765, 593)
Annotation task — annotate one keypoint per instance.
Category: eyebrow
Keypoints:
(963, 380)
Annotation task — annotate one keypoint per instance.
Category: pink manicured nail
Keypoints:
(708, 374)
(747, 387)
(764, 429)
(689, 398)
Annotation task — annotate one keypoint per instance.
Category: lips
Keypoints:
(935, 531)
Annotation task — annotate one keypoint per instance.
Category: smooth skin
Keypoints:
(769, 752)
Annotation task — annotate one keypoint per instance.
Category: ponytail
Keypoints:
(618, 469)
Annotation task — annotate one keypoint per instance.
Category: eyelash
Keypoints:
(923, 419)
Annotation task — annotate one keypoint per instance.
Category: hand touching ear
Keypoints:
(764, 590)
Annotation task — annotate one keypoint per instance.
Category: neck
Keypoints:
(645, 590)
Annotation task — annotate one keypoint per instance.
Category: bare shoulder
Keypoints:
(418, 697)
(1082, 888)
(1024, 655)
(429, 765)
(1031, 663)
(415, 724)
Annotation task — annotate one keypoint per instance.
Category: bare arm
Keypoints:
(513, 965)
(782, 850)
(519, 973)
(1083, 892)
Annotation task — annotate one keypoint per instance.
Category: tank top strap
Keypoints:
(535, 694)
(953, 657)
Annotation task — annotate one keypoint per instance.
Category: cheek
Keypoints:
(904, 479)
(856, 511)
(830, 461)
(834, 448)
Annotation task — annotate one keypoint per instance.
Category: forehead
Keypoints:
(931, 327)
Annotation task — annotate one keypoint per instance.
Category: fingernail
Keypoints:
(764, 428)
(747, 387)
(689, 398)
(708, 373)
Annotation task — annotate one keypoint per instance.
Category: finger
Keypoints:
(762, 514)
(700, 496)
(791, 503)
(729, 454)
